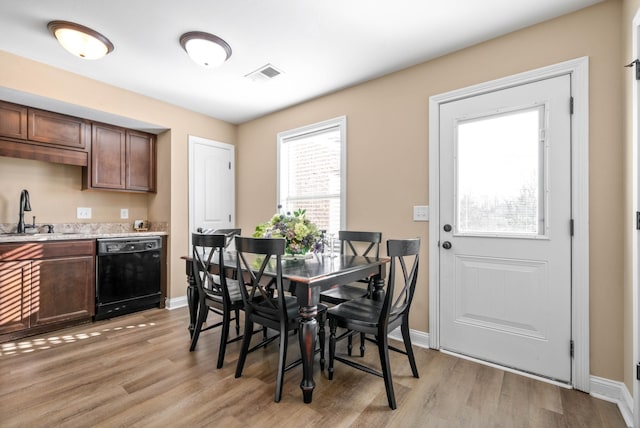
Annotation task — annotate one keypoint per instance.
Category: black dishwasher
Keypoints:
(128, 275)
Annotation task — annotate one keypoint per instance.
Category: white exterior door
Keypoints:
(211, 185)
(505, 227)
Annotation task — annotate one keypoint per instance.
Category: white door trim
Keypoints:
(579, 70)
(635, 245)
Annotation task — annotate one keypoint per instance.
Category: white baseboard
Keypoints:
(176, 302)
(615, 392)
(418, 338)
(605, 389)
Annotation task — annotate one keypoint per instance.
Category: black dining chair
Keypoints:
(379, 318)
(217, 292)
(266, 303)
(354, 243)
(229, 234)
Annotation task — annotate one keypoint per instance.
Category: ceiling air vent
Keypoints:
(266, 72)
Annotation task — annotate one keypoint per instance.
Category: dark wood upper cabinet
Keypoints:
(30, 133)
(113, 158)
(141, 161)
(58, 129)
(13, 121)
(122, 159)
(108, 157)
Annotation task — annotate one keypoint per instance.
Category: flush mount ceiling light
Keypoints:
(205, 49)
(80, 40)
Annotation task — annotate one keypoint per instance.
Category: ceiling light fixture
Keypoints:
(205, 49)
(80, 40)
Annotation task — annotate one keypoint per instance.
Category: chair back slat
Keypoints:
(204, 248)
(403, 252)
(229, 234)
(263, 295)
(352, 242)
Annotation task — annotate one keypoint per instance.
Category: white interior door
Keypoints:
(636, 234)
(211, 185)
(505, 227)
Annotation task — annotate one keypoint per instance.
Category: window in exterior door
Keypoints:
(500, 174)
(312, 172)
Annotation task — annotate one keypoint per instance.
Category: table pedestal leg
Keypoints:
(192, 301)
(378, 289)
(307, 335)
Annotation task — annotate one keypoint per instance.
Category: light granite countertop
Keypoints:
(30, 237)
(71, 231)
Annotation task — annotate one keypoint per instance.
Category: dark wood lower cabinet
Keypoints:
(45, 286)
(15, 286)
(62, 290)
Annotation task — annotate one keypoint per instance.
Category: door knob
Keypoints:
(447, 228)
(446, 245)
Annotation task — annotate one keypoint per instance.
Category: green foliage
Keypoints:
(301, 234)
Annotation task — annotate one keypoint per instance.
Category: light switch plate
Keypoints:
(84, 212)
(124, 213)
(421, 213)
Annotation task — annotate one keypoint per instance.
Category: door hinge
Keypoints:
(638, 371)
(637, 65)
(637, 220)
(571, 348)
(229, 218)
(570, 105)
(229, 165)
(571, 227)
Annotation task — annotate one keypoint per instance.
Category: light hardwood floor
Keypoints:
(137, 370)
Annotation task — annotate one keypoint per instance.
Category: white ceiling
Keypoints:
(320, 46)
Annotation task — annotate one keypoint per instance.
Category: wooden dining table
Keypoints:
(308, 277)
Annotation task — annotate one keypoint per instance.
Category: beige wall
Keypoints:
(387, 122)
(55, 194)
(56, 189)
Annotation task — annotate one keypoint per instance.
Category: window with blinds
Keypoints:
(312, 172)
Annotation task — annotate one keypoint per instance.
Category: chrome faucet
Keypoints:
(25, 205)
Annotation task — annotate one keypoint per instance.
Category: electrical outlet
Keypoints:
(421, 213)
(124, 213)
(84, 212)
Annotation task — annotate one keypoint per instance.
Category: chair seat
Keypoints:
(265, 309)
(362, 311)
(234, 291)
(343, 293)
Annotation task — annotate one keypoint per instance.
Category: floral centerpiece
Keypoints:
(301, 234)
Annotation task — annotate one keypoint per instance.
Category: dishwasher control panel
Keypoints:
(128, 245)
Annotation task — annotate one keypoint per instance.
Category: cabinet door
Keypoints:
(63, 289)
(141, 162)
(58, 129)
(13, 121)
(15, 302)
(108, 157)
